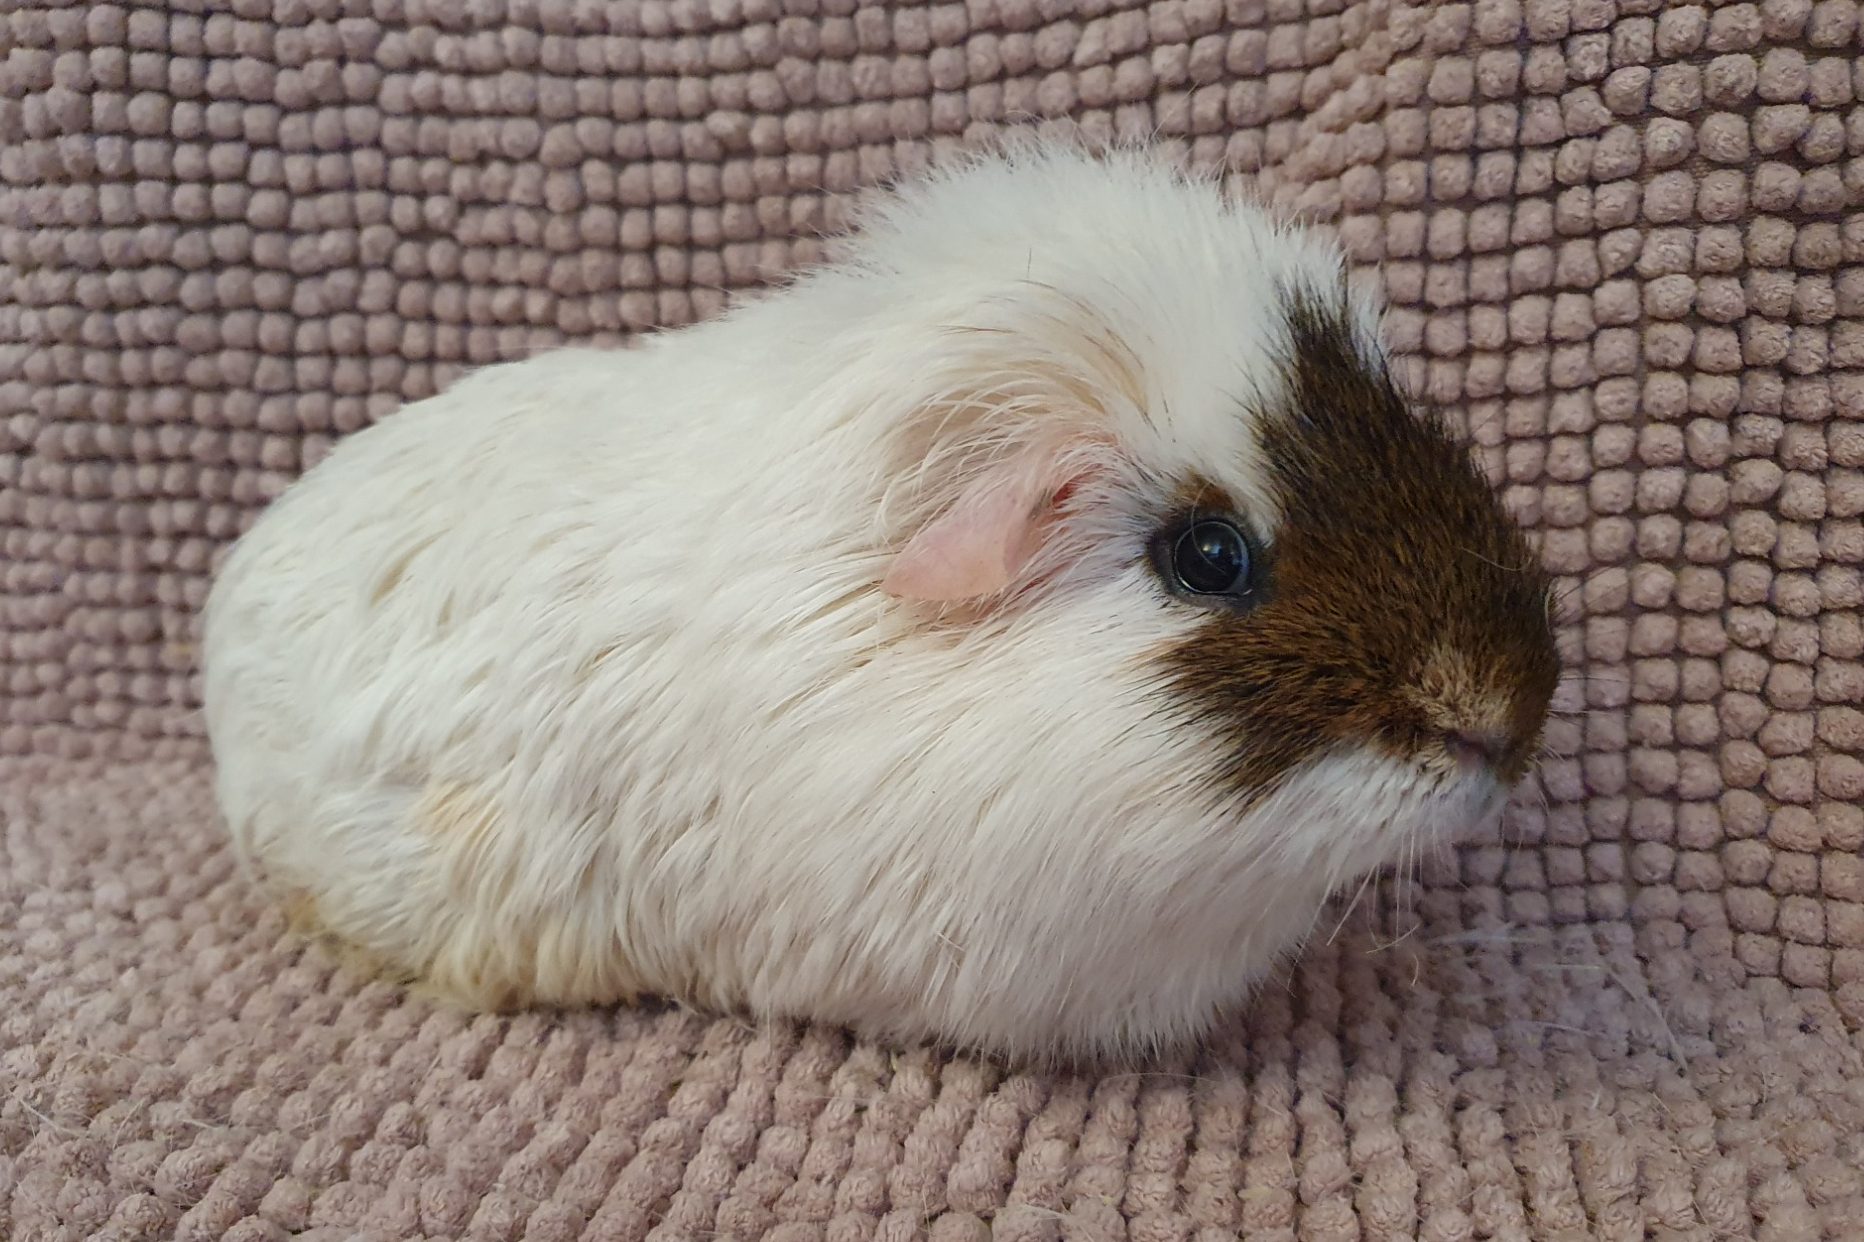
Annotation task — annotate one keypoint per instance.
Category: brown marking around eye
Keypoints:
(1405, 603)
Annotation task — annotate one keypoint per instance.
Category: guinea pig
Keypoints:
(1006, 635)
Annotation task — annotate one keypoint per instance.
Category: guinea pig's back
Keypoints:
(485, 636)
(455, 678)
(375, 610)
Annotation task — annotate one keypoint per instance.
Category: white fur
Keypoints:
(575, 682)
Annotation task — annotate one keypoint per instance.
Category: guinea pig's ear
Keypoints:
(990, 533)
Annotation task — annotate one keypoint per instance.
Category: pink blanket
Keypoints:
(1625, 242)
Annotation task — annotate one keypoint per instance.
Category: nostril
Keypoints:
(1476, 748)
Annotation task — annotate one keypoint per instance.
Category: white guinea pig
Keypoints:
(1008, 635)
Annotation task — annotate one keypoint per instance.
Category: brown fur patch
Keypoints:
(1401, 599)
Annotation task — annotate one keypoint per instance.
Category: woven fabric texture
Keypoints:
(1624, 242)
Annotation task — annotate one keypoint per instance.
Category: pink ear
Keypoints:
(983, 540)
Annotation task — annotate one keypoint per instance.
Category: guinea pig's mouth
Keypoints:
(1486, 767)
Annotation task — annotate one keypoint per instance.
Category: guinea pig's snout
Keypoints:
(1476, 747)
(1475, 719)
(1454, 742)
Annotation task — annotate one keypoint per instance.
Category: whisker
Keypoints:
(1584, 580)
(1351, 905)
(1507, 569)
(1589, 676)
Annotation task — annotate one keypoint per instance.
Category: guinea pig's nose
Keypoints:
(1476, 748)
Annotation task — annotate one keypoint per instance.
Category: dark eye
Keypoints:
(1211, 557)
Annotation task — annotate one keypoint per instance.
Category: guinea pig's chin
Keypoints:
(1472, 806)
(1357, 809)
(1464, 802)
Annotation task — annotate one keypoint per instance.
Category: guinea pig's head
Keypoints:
(1164, 415)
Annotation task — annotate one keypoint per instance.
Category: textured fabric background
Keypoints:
(1627, 245)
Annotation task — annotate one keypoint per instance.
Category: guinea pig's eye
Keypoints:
(1209, 558)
